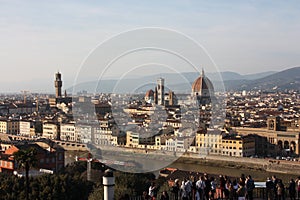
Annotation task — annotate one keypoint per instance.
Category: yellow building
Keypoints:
(209, 143)
(238, 146)
(132, 139)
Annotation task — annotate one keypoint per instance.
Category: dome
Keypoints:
(202, 86)
(149, 97)
(149, 93)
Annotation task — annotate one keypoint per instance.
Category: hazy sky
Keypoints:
(38, 38)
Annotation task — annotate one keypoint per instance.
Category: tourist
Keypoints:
(242, 179)
(222, 185)
(231, 191)
(207, 188)
(175, 189)
(227, 187)
(152, 191)
(275, 182)
(250, 187)
(194, 189)
(270, 189)
(200, 185)
(227, 184)
(241, 191)
(235, 186)
(184, 189)
(292, 189)
(280, 190)
(213, 188)
(188, 188)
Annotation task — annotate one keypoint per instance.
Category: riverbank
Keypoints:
(258, 164)
(260, 169)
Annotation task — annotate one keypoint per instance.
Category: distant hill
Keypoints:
(258, 75)
(286, 79)
(177, 82)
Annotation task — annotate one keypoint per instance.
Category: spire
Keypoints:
(202, 73)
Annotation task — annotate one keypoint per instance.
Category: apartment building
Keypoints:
(9, 126)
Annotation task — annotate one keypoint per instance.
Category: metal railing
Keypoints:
(258, 193)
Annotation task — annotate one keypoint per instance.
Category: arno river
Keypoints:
(232, 172)
(258, 175)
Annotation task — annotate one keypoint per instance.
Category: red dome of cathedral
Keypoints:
(202, 85)
(149, 93)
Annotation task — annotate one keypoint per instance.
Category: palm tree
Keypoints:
(25, 159)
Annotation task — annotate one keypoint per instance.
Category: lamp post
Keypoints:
(108, 183)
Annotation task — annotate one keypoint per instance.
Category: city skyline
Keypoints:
(38, 38)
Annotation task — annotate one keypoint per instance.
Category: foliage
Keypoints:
(60, 186)
(132, 184)
(97, 192)
(71, 183)
(25, 159)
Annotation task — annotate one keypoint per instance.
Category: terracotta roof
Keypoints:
(202, 83)
(149, 93)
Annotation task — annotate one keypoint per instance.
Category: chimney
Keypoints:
(108, 183)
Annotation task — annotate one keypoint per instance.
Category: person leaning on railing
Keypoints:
(292, 189)
(241, 192)
(270, 189)
(250, 187)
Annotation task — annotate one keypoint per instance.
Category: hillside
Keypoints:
(177, 82)
(286, 79)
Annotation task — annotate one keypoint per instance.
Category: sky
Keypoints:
(38, 38)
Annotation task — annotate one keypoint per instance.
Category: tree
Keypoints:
(25, 159)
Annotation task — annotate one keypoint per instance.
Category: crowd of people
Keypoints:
(207, 187)
(275, 189)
